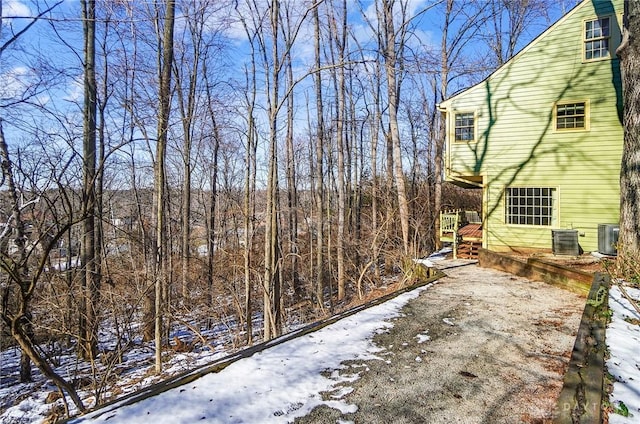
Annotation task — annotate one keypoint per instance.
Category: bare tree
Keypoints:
(340, 39)
(187, 71)
(18, 289)
(213, 195)
(319, 164)
(249, 176)
(391, 47)
(164, 109)
(509, 19)
(372, 87)
(290, 165)
(91, 285)
(271, 283)
(21, 279)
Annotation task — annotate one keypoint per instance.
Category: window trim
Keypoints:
(555, 201)
(587, 116)
(453, 126)
(610, 38)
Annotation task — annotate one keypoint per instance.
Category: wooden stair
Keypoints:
(468, 249)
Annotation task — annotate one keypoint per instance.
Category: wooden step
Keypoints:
(469, 249)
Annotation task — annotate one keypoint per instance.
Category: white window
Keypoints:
(464, 127)
(530, 205)
(597, 39)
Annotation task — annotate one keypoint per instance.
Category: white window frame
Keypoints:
(472, 127)
(597, 38)
(531, 206)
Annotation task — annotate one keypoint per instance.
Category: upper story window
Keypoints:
(572, 116)
(597, 37)
(464, 126)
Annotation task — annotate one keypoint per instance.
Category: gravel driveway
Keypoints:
(480, 346)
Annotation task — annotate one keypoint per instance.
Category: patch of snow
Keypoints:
(342, 392)
(623, 339)
(601, 255)
(423, 337)
(425, 262)
(448, 321)
(440, 255)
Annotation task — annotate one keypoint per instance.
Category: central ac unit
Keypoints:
(608, 238)
(565, 242)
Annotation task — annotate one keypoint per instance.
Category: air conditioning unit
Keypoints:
(608, 238)
(565, 242)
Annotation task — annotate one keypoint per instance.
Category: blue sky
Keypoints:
(60, 53)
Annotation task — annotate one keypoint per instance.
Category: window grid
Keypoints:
(596, 45)
(530, 206)
(571, 116)
(464, 127)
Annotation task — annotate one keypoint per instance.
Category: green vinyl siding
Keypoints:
(517, 143)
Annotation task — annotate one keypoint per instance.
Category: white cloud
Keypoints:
(15, 8)
(75, 90)
(14, 82)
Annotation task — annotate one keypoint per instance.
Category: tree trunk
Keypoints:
(160, 176)
(629, 51)
(272, 312)
(211, 227)
(25, 359)
(292, 192)
(100, 263)
(319, 166)
(249, 216)
(340, 38)
(442, 124)
(390, 58)
(88, 334)
(20, 269)
(375, 137)
(21, 336)
(186, 215)
(187, 102)
(249, 178)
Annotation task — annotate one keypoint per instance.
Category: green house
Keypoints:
(542, 135)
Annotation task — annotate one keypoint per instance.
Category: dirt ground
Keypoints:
(497, 351)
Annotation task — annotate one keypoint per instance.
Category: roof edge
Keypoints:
(442, 105)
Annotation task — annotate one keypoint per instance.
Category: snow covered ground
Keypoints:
(623, 340)
(273, 386)
(288, 380)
